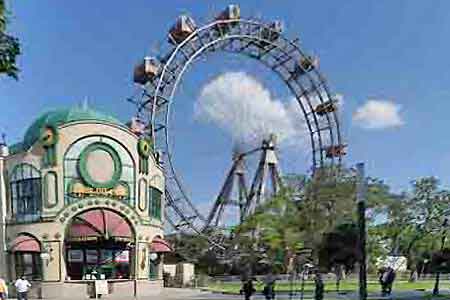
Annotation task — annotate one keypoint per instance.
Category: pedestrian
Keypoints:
(3, 290)
(22, 286)
(390, 277)
(269, 287)
(339, 272)
(248, 289)
(319, 286)
(381, 280)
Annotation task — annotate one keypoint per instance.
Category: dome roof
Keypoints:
(59, 117)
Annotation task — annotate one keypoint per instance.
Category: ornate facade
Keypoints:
(82, 198)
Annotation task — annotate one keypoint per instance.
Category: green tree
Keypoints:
(9, 46)
(325, 203)
(271, 233)
(413, 224)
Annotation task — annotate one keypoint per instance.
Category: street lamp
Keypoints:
(153, 256)
(361, 191)
(438, 273)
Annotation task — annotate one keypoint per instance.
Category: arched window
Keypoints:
(26, 193)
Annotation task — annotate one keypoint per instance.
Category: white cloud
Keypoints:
(240, 105)
(378, 114)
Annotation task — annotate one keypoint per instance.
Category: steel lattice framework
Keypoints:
(253, 39)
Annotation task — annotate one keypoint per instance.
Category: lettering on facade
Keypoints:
(83, 238)
(79, 190)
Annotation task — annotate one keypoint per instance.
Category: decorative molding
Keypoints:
(75, 208)
(142, 194)
(47, 177)
(145, 148)
(49, 137)
(82, 167)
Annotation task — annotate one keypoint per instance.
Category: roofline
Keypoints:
(71, 123)
(122, 127)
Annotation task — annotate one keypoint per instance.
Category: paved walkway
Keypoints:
(186, 294)
(198, 295)
(190, 294)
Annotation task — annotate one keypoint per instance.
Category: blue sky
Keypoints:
(395, 51)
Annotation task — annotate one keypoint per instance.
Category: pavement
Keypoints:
(193, 294)
(203, 295)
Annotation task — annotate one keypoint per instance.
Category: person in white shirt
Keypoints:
(22, 286)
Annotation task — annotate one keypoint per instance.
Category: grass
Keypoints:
(350, 285)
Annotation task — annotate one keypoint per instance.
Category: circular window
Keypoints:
(100, 166)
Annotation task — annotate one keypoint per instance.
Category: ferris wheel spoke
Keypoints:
(254, 39)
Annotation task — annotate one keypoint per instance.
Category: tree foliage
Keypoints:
(324, 208)
(413, 223)
(9, 46)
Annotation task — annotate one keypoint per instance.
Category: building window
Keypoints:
(155, 203)
(26, 193)
(28, 265)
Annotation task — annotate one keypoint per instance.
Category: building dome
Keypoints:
(60, 117)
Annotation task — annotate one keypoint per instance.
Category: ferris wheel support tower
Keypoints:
(268, 171)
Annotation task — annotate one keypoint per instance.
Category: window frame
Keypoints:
(155, 208)
(25, 193)
(36, 265)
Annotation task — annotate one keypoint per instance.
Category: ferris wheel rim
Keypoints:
(210, 26)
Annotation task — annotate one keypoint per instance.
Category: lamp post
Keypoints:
(438, 273)
(361, 190)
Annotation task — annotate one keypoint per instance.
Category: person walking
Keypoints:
(387, 277)
(22, 286)
(390, 277)
(319, 286)
(382, 280)
(248, 289)
(3, 289)
(269, 287)
(340, 274)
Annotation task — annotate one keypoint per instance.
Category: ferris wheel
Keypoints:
(159, 77)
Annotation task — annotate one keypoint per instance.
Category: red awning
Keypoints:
(160, 246)
(99, 223)
(24, 243)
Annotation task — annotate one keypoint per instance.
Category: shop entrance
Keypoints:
(99, 245)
